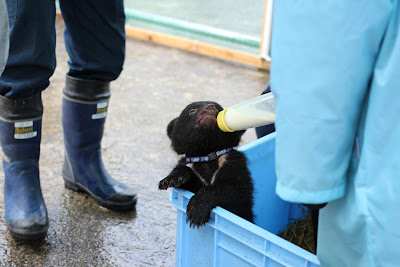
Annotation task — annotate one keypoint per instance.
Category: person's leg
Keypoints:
(31, 61)
(94, 38)
(30, 64)
(95, 41)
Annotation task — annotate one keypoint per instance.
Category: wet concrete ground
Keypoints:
(156, 84)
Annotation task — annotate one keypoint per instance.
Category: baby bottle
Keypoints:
(254, 112)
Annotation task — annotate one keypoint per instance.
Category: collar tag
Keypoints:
(210, 157)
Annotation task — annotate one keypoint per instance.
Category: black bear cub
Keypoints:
(211, 167)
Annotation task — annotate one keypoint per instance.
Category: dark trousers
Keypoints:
(94, 37)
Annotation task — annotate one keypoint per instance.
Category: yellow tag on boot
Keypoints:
(24, 130)
(101, 112)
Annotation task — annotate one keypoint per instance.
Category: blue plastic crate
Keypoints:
(227, 239)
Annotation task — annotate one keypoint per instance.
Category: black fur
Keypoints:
(195, 133)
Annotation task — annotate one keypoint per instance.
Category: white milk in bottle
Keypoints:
(255, 112)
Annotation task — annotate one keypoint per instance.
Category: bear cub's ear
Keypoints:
(170, 127)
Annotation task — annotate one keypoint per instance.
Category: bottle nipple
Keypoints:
(222, 123)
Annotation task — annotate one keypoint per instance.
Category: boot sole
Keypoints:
(74, 186)
(38, 235)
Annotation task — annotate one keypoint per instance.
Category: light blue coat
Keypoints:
(4, 43)
(335, 74)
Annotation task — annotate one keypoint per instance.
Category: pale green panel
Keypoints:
(240, 17)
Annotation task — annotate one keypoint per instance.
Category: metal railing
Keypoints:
(191, 27)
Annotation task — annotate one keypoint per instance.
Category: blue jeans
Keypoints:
(94, 38)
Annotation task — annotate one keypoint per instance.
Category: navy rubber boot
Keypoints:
(20, 136)
(84, 111)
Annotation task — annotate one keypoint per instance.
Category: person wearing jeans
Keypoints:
(95, 40)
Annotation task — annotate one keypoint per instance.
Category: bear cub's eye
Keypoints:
(193, 111)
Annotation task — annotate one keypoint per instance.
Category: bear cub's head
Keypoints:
(195, 132)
